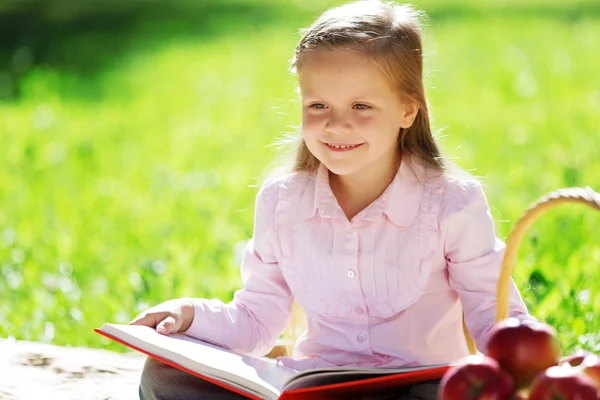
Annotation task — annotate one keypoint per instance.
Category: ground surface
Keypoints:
(30, 370)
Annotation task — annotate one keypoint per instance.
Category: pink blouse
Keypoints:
(387, 288)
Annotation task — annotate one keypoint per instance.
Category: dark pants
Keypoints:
(162, 382)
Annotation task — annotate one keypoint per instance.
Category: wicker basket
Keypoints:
(585, 196)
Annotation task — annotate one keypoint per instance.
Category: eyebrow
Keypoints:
(354, 99)
(315, 93)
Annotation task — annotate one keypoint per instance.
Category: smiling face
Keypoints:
(351, 116)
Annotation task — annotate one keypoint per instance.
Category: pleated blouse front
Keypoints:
(387, 288)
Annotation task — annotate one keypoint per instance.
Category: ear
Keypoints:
(409, 113)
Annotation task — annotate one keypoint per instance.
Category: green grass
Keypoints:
(135, 184)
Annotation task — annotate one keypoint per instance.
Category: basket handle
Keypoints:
(585, 196)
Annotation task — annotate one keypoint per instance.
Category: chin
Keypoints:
(341, 168)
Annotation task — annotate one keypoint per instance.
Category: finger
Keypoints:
(168, 325)
(149, 319)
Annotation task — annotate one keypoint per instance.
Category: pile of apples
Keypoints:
(523, 361)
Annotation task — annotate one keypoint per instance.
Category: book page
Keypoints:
(252, 374)
(329, 376)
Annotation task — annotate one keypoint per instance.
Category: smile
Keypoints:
(342, 147)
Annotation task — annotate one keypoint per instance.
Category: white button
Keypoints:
(361, 337)
(359, 310)
(351, 274)
(350, 229)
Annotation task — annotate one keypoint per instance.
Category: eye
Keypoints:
(361, 106)
(317, 106)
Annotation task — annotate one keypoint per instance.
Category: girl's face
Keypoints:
(351, 116)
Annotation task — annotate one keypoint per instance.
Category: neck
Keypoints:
(356, 192)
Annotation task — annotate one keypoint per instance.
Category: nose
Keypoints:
(337, 123)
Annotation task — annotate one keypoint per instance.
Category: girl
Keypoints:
(374, 235)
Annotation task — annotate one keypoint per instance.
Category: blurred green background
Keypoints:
(133, 135)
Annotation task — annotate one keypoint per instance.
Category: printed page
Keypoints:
(252, 374)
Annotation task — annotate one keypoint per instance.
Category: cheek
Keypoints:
(312, 123)
(365, 122)
(369, 125)
(377, 129)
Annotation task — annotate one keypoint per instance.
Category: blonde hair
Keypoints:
(390, 35)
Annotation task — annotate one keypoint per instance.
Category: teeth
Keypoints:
(342, 146)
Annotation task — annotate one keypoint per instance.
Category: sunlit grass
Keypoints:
(144, 190)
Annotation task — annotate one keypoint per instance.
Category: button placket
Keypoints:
(352, 272)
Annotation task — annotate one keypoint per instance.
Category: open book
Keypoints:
(262, 378)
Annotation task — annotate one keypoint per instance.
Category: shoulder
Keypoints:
(462, 198)
(453, 190)
(286, 187)
(460, 191)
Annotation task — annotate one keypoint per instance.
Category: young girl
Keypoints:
(373, 234)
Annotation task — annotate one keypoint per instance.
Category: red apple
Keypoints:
(591, 367)
(562, 383)
(523, 349)
(575, 358)
(476, 377)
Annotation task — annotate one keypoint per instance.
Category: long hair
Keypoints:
(390, 36)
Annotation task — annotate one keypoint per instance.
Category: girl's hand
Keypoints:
(169, 317)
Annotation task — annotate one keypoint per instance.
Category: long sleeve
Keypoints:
(474, 258)
(258, 313)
